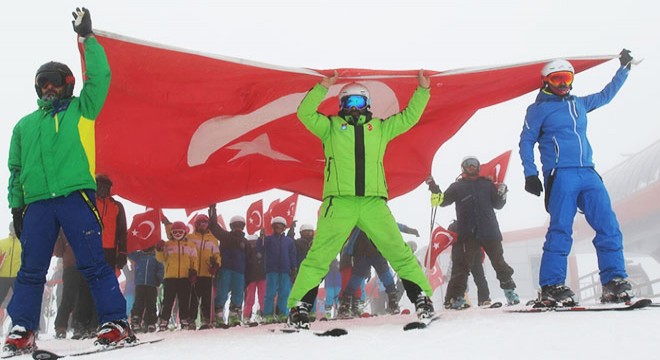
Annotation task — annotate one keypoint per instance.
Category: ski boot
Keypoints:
(234, 318)
(115, 333)
(151, 328)
(458, 303)
(60, 333)
(162, 325)
(299, 316)
(328, 313)
(187, 325)
(617, 290)
(424, 307)
(135, 324)
(511, 297)
(392, 303)
(357, 307)
(344, 311)
(19, 341)
(558, 295)
(484, 304)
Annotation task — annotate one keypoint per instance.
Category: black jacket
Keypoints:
(476, 201)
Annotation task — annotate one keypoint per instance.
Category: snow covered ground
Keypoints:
(468, 334)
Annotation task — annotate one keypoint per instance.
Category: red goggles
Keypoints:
(560, 78)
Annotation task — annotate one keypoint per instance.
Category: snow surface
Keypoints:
(467, 334)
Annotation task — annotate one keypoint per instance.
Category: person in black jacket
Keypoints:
(476, 199)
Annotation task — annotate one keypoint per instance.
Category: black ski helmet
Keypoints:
(56, 70)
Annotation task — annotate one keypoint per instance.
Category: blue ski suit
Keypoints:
(559, 125)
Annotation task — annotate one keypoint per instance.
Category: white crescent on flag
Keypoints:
(137, 232)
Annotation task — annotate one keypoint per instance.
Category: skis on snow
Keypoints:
(639, 304)
(48, 355)
(335, 332)
(420, 324)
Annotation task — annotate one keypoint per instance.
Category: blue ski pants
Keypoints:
(76, 214)
(229, 281)
(582, 188)
(280, 284)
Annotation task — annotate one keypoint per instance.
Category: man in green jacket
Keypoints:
(355, 191)
(52, 186)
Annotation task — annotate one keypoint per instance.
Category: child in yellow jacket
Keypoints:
(179, 257)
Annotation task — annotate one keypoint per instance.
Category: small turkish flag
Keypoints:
(144, 231)
(435, 276)
(255, 217)
(268, 216)
(441, 239)
(286, 209)
(496, 168)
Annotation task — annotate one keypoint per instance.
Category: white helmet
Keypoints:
(557, 65)
(354, 89)
(465, 161)
(305, 227)
(278, 220)
(236, 218)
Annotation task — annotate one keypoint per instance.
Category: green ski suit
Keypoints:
(355, 190)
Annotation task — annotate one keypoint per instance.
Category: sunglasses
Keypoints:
(560, 78)
(354, 101)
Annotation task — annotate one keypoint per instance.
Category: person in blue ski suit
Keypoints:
(557, 121)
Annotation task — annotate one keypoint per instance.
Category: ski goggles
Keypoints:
(471, 162)
(560, 78)
(354, 101)
(178, 234)
(53, 77)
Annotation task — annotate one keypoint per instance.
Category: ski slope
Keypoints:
(468, 334)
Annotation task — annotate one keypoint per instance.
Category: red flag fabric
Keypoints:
(441, 239)
(435, 276)
(286, 209)
(496, 168)
(235, 120)
(268, 216)
(255, 217)
(144, 231)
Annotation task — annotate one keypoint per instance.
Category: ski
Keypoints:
(495, 305)
(335, 332)
(639, 304)
(48, 355)
(421, 324)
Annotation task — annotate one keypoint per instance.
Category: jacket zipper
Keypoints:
(573, 111)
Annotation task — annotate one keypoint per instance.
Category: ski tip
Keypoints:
(414, 326)
(44, 355)
(332, 332)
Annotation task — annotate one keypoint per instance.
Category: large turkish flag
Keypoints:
(185, 130)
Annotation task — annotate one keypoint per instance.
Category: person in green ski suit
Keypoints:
(355, 191)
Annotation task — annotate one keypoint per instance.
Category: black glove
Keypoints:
(533, 185)
(82, 22)
(625, 58)
(213, 266)
(17, 217)
(433, 187)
